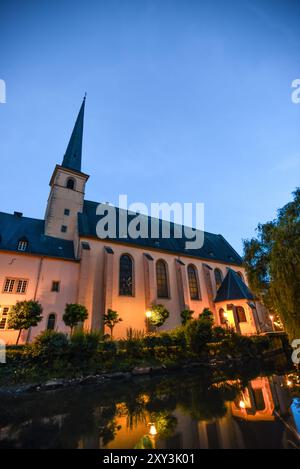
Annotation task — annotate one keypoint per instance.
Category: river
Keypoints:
(176, 411)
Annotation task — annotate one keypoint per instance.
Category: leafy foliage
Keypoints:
(159, 315)
(199, 332)
(186, 316)
(24, 314)
(111, 319)
(74, 314)
(272, 261)
(48, 347)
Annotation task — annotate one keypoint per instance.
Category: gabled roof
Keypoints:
(72, 157)
(215, 247)
(16, 227)
(233, 288)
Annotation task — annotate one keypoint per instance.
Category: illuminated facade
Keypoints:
(61, 260)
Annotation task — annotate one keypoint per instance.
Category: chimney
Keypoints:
(18, 214)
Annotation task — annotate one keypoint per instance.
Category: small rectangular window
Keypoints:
(67, 211)
(55, 286)
(3, 316)
(63, 229)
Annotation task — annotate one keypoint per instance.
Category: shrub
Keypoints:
(83, 346)
(219, 333)
(260, 343)
(186, 316)
(49, 345)
(74, 314)
(198, 333)
(178, 337)
(109, 347)
(151, 340)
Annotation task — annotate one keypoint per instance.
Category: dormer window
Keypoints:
(22, 244)
(70, 184)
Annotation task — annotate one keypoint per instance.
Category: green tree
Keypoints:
(159, 315)
(186, 316)
(111, 319)
(74, 314)
(272, 261)
(23, 315)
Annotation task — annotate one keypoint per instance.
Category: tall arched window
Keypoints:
(70, 184)
(218, 278)
(162, 279)
(51, 322)
(126, 276)
(193, 283)
(22, 244)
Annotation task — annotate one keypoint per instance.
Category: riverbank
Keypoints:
(271, 361)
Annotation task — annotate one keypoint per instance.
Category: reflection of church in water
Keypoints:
(161, 414)
(259, 418)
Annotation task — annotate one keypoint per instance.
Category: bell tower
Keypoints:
(67, 188)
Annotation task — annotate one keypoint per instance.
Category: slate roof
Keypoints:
(233, 288)
(14, 227)
(72, 157)
(215, 247)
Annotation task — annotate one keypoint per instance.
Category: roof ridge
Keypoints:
(159, 219)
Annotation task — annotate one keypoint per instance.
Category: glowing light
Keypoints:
(148, 314)
(289, 383)
(152, 430)
(271, 317)
(242, 405)
(225, 315)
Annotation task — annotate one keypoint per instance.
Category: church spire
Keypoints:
(72, 157)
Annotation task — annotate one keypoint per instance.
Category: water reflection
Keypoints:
(184, 411)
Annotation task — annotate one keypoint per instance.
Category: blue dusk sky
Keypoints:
(187, 101)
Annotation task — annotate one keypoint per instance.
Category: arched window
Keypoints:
(22, 244)
(126, 276)
(218, 278)
(51, 322)
(70, 184)
(241, 276)
(193, 283)
(162, 279)
(259, 399)
(222, 316)
(241, 315)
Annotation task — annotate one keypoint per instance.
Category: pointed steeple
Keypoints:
(72, 157)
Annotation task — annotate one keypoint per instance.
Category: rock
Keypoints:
(54, 384)
(27, 388)
(141, 371)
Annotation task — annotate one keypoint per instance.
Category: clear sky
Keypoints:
(187, 101)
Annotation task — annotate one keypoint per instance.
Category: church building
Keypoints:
(60, 259)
